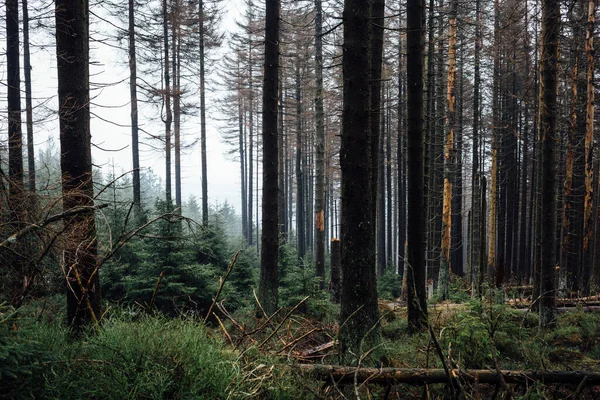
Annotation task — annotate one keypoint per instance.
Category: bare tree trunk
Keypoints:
(548, 72)
(72, 54)
(417, 305)
(203, 115)
(15, 145)
(449, 156)
(28, 101)
(300, 197)
(175, 40)
(359, 319)
(135, 152)
(589, 144)
(476, 210)
(320, 147)
(376, 49)
(268, 284)
(167, 95)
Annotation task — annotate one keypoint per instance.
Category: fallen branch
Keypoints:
(222, 283)
(54, 218)
(417, 376)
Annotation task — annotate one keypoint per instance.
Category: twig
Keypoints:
(223, 280)
(282, 321)
(155, 292)
(54, 218)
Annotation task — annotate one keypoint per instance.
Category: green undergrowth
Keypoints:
(131, 356)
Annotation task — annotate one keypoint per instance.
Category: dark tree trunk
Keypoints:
(281, 156)
(359, 313)
(203, 115)
(417, 305)
(72, 54)
(175, 40)
(320, 149)
(135, 152)
(381, 256)
(476, 211)
(588, 223)
(15, 145)
(28, 101)
(548, 106)
(300, 197)
(268, 285)
(376, 49)
(167, 95)
(336, 254)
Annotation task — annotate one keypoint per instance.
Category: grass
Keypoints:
(134, 355)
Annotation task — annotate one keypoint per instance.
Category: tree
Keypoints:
(72, 54)
(137, 196)
(448, 157)
(320, 144)
(15, 138)
(359, 313)
(28, 100)
(268, 285)
(548, 113)
(415, 280)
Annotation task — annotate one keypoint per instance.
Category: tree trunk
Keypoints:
(72, 55)
(175, 40)
(449, 156)
(377, 26)
(15, 146)
(336, 254)
(135, 152)
(548, 72)
(359, 317)
(268, 284)
(417, 305)
(300, 197)
(320, 147)
(167, 96)
(28, 101)
(203, 115)
(589, 143)
(476, 210)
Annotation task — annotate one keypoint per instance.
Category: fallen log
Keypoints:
(417, 376)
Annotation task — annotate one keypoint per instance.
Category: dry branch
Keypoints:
(417, 376)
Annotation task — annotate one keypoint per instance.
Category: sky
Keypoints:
(110, 124)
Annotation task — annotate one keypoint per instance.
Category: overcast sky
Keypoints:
(111, 103)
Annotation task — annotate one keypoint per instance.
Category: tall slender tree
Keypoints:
(135, 149)
(268, 285)
(28, 100)
(416, 299)
(320, 148)
(548, 115)
(72, 55)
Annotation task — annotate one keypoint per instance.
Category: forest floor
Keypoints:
(239, 355)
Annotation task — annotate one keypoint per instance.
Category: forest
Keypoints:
(417, 210)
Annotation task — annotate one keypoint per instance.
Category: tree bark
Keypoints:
(320, 149)
(28, 101)
(548, 106)
(417, 305)
(72, 54)
(167, 96)
(135, 152)
(203, 114)
(589, 143)
(268, 285)
(359, 318)
(449, 158)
